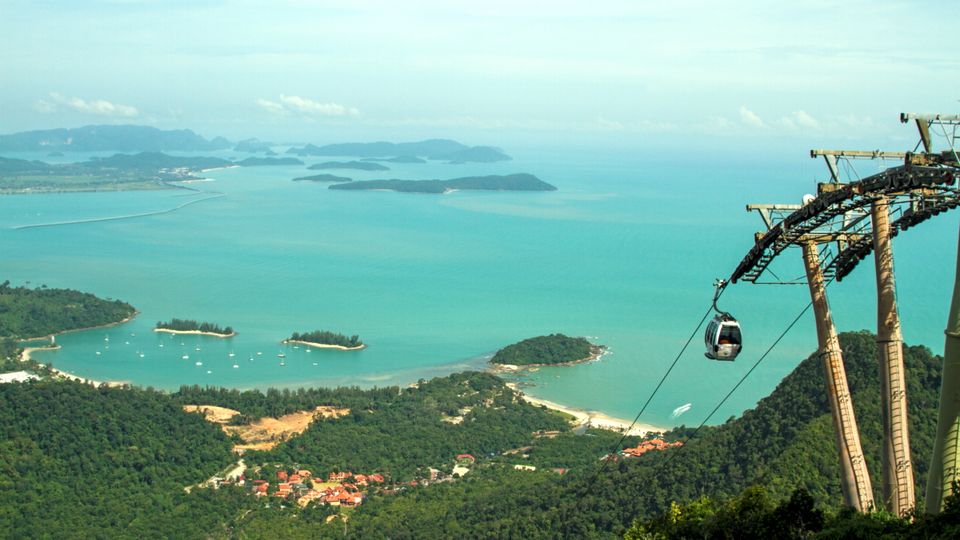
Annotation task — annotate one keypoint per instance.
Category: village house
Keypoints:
(647, 446)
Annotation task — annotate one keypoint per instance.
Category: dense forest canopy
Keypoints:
(95, 462)
(552, 349)
(325, 337)
(27, 313)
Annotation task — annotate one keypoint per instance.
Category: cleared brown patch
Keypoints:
(212, 413)
(265, 433)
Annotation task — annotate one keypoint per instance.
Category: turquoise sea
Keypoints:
(625, 252)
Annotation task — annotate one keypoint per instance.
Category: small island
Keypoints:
(323, 339)
(187, 326)
(552, 350)
(397, 159)
(357, 165)
(323, 178)
(268, 161)
(510, 182)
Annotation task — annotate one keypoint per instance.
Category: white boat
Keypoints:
(259, 353)
(142, 355)
(106, 338)
(281, 355)
(185, 357)
(231, 355)
(199, 363)
(236, 366)
(98, 353)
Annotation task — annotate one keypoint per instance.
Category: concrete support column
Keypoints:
(854, 478)
(943, 467)
(898, 486)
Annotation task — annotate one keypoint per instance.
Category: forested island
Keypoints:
(36, 312)
(323, 178)
(510, 182)
(325, 339)
(356, 165)
(397, 159)
(549, 350)
(189, 326)
(268, 161)
(435, 149)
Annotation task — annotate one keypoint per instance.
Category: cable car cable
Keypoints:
(742, 379)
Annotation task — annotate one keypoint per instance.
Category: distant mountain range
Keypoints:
(124, 138)
(436, 149)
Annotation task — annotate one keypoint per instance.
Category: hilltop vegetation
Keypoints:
(102, 463)
(546, 350)
(27, 313)
(785, 443)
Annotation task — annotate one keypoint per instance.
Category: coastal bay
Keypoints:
(440, 283)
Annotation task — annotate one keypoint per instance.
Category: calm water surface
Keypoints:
(625, 252)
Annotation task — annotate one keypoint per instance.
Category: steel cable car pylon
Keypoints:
(723, 339)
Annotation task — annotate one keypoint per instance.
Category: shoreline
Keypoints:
(107, 325)
(324, 345)
(512, 368)
(193, 332)
(592, 419)
(25, 356)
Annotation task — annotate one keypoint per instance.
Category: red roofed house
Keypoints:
(378, 478)
(282, 475)
(466, 457)
(339, 476)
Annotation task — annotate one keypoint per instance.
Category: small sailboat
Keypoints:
(231, 355)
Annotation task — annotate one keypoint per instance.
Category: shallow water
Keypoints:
(625, 252)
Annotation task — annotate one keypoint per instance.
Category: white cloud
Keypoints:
(750, 118)
(299, 105)
(799, 120)
(97, 107)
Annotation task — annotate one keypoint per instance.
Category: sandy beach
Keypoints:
(194, 332)
(592, 418)
(27, 351)
(324, 345)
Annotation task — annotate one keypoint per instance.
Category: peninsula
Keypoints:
(510, 182)
(188, 326)
(357, 165)
(398, 159)
(552, 350)
(323, 339)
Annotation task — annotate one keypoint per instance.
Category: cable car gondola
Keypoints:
(722, 338)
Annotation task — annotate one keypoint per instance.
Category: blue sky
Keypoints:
(487, 72)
